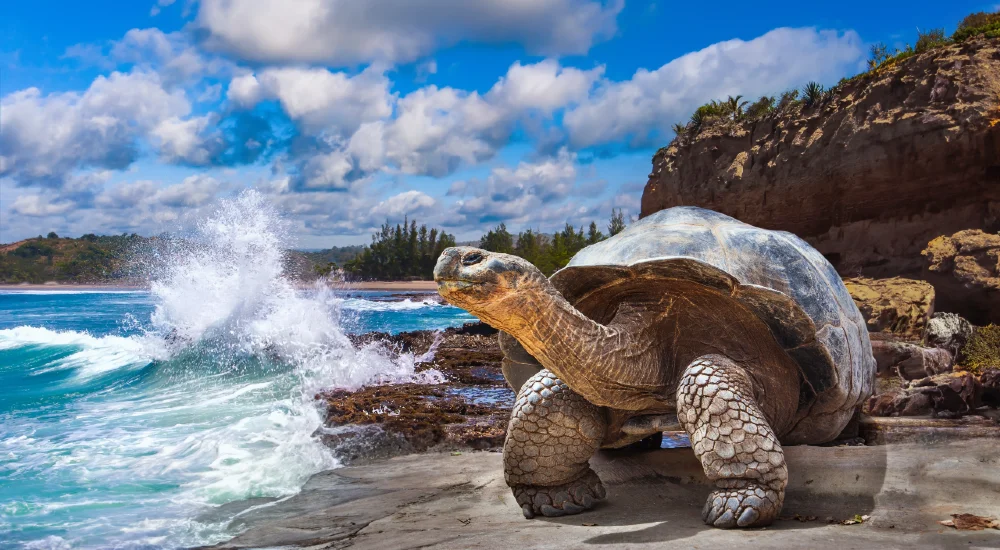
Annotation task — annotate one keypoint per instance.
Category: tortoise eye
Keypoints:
(472, 258)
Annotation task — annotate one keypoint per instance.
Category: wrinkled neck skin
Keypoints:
(593, 359)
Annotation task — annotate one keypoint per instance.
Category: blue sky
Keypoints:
(137, 116)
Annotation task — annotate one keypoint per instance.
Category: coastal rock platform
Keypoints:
(899, 492)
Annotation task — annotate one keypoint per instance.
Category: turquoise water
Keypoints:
(114, 434)
(124, 416)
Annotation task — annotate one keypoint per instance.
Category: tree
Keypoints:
(498, 240)
(594, 234)
(52, 235)
(617, 224)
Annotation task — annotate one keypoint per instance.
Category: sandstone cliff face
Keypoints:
(966, 267)
(889, 162)
(899, 306)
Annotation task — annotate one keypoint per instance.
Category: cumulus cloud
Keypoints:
(514, 195)
(348, 32)
(172, 55)
(39, 206)
(362, 128)
(642, 108)
(45, 137)
(318, 99)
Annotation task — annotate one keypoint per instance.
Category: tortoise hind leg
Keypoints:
(552, 434)
(734, 443)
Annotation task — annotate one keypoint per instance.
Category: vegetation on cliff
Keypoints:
(90, 258)
(734, 111)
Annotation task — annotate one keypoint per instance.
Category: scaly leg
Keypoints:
(734, 443)
(553, 432)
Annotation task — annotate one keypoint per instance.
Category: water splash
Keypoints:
(211, 402)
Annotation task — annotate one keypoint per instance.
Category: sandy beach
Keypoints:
(426, 286)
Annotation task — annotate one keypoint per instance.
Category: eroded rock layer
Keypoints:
(888, 162)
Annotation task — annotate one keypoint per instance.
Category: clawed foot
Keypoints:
(560, 500)
(749, 506)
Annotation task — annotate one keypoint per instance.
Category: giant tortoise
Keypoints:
(747, 335)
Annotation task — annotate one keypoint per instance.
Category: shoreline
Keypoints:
(424, 286)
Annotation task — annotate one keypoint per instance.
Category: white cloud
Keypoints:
(318, 99)
(529, 191)
(39, 206)
(643, 108)
(185, 141)
(545, 86)
(45, 137)
(349, 32)
(192, 192)
(172, 55)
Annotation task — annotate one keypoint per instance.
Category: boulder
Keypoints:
(949, 394)
(990, 380)
(948, 331)
(895, 305)
(890, 160)
(910, 361)
(965, 270)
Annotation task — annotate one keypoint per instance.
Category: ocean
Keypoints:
(126, 415)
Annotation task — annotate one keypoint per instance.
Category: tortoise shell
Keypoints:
(783, 280)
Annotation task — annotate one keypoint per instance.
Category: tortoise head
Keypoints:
(482, 282)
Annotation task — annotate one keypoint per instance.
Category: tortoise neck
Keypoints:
(593, 359)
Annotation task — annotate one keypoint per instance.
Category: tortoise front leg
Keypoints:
(734, 443)
(552, 434)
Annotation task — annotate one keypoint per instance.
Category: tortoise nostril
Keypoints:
(472, 258)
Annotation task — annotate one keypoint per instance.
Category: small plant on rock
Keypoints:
(930, 39)
(812, 94)
(878, 54)
(761, 108)
(982, 351)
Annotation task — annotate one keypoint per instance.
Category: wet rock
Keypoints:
(944, 395)
(470, 410)
(965, 269)
(910, 361)
(990, 380)
(896, 305)
(948, 331)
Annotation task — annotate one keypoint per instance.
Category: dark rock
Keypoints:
(910, 361)
(956, 392)
(470, 410)
(990, 380)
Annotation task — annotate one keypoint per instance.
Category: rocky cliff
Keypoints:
(885, 163)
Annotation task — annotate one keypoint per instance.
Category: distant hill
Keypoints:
(89, 259)
(124, 259)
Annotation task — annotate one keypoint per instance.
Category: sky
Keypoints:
(138, 116)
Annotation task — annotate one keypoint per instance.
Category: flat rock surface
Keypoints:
(654, 499)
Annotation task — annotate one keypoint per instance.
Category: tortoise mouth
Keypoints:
(457, 284)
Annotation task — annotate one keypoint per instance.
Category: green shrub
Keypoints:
(982, 351)
(706, 112)
(877, 55)
(812, 94)
(977, 20)
(761, 108)
(787, 99)
(982, 24)
(930, 39)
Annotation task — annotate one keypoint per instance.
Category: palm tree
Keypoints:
(733, 107)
